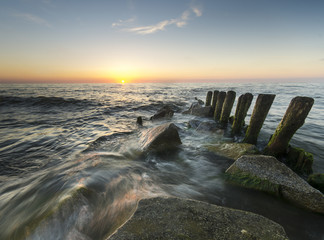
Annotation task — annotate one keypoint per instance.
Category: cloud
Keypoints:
(150, 29)
(160, 26)
(197, 11)
(33, 19)
(120, 23)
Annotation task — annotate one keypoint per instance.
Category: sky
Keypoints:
(161, 41)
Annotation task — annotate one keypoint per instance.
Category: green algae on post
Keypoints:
(227, 106)
(260, 112)
(209, 98)
(214, 101)
(293, 119)
(242, 107)
(219, 105)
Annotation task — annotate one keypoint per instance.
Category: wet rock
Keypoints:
(201, 102)
(164, 112)
(207, 127)
(163, 137)
(233, 150)
(198, 110)
(193, 123)
(299, 160)
(267, 174)
(202, 111)
(317, 181)
(174, 218)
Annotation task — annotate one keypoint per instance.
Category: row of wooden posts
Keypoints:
(222, 104)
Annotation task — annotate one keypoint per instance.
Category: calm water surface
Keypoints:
(71, 168)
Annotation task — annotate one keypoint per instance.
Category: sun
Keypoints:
(123, 81)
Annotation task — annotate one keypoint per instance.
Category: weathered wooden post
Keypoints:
(293, 119)
(214, 101)
(259, 114)
(209, 98)
(227, 106)
(242, 107)
(139, 121)
(219, 105)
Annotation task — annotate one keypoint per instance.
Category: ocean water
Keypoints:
(71, 165)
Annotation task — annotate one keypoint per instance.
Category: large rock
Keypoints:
(163, 137)
(164, 112)
(233, 150)
(173, 218)
(267, 174)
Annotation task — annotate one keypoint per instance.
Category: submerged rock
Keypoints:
(174, 218)
(233, 150)
(209, 127)
(317, 181)
(193, 123)
(164, 112)
(267, 174)
(163, 137)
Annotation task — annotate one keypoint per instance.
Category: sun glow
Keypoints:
(123, 81)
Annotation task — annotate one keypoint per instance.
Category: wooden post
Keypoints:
(293, 119)
(214, 101)
(219, 105)
(260, 112)
(242, 107)
(227, 106)
(208, 98)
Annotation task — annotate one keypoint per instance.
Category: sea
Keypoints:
(71, 166)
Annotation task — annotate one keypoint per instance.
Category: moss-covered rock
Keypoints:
(174, 218)
(267, 174)
(233, 150)
(317, 181)
(299, 160)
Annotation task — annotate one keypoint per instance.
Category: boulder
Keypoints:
(267, 174)
(163, 137)
(174, 218)
(233, 150)
(164, 112)
(317, 181)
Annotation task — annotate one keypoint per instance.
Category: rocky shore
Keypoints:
(174, 218)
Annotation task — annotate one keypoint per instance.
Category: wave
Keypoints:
(45, 101)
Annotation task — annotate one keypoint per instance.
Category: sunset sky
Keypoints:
(165, 40)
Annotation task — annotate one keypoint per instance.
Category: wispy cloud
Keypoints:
(121, 23)
(197, 10)
(32, 19)
(160, 26)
